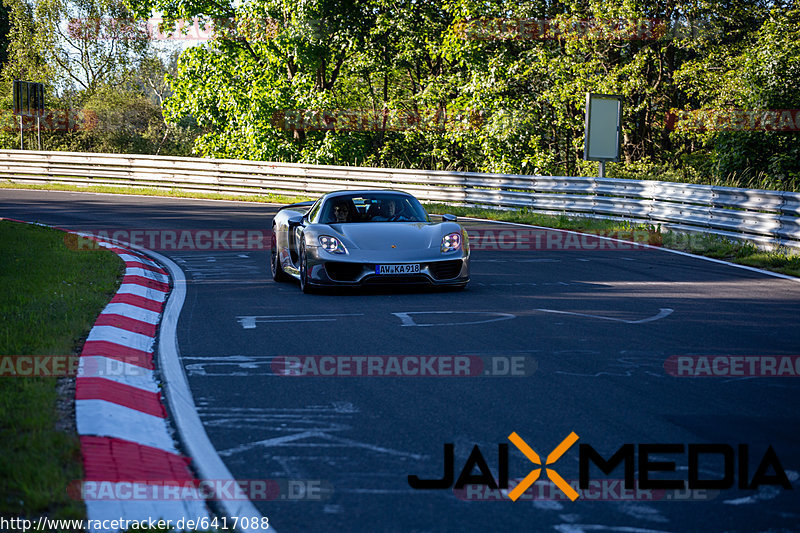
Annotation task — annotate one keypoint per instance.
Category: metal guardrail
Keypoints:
(768, 218)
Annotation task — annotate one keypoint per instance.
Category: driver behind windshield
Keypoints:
(341, 212)
(390, 211)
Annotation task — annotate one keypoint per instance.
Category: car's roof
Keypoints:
(364, 191)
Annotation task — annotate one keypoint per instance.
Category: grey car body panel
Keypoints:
(367, 244)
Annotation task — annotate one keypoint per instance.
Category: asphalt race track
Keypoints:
(593, 329)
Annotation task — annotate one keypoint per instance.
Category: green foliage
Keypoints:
(771, 77)
(98, 67)
(276, 75)
(525, 96)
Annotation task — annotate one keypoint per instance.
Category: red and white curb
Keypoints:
(122, 423)
(125, 439)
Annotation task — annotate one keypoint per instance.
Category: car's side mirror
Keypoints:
(296, 221)
(448, 218)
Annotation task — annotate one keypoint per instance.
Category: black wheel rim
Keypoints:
(273, 255)
(303, 267)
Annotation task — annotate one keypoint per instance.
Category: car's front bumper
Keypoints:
(328, 269)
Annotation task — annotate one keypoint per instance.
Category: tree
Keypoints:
(96, 62)
(25, 55)
(268, 57)
(101, 42)
(770, 80)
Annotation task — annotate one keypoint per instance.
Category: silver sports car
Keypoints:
(349, 238)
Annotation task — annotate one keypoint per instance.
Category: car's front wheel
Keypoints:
(275, 262)
(305, 286)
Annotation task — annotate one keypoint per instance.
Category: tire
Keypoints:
(275, 264)
(305, 286)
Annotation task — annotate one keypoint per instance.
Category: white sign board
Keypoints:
(603, 119)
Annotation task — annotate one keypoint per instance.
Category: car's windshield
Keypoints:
(377, 207)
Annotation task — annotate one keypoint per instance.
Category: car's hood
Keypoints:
(386, 235)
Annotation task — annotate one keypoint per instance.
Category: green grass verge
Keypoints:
(783, 261)
(170, 193)
(51, 296)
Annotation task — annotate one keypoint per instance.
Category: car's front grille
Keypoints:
(445, 269)
(348, 272)
(344, 271)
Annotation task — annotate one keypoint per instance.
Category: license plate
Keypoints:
(397, 269)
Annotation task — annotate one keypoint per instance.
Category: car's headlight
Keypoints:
(451, 242)
(332, 244)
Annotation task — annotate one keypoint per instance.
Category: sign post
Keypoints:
(18, 110)
(39, 106)
(29, 102)
(602, 129)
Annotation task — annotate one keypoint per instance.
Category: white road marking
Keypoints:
(283, 420)
(642, 512)
(333, 442)
(226, 266)
(663, 312)
(582, 528)
(764, 493)
(539, 260)
(408, 320)
(645, 246)
(247, 363)
(250, 321)
(628, 366)
(206, 461)
(537, 284)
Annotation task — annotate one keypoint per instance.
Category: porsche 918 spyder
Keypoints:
(353, 238)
